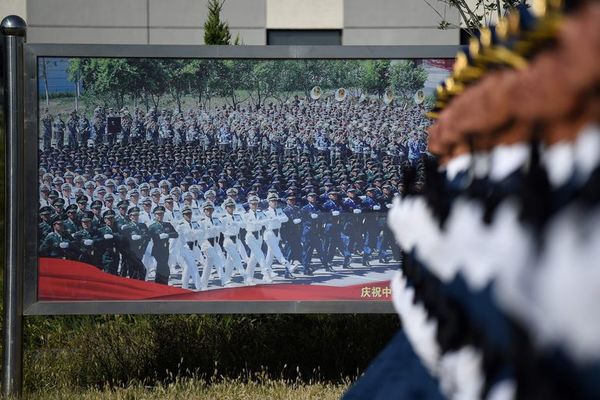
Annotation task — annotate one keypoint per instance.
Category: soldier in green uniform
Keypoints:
(161, 232)
(121, 218)
(45, 227)
(108, 241)
(96, 209)
(71, 223)
(58, 243)
(135, 238)
(86, 239)
(58, 205)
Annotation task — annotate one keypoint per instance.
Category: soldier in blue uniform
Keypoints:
(291, 231)
(332, 241)
(371, 209)
(312, 234)
(351, 225)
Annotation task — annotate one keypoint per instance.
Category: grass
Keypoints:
(199, 389)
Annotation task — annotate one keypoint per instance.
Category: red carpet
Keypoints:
(65, 280)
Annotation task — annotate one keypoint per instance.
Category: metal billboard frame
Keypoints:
(29, 174)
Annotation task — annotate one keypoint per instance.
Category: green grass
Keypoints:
(199, 389)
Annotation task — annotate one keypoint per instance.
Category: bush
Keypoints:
(84, 351)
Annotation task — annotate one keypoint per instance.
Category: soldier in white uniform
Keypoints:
(255, 220)
(232, 194)
(210, 245)
(190, 235)
(275, 217)
(147, 218)
(232, 223)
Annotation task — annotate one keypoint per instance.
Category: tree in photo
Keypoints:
(406, 77)
(216, 31)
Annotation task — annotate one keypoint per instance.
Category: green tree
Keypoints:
(406, 77)
(215, 30)
(375, 76)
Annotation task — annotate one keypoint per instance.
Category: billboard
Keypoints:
(224, 183)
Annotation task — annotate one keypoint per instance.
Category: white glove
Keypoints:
(108, 236)
(376, 207)
(357, 211)
(88, 242)
(297, 221)
(63, 245)
(135, 237)
(335, 213)
(389, 205)
(314, 215)
(164, 236)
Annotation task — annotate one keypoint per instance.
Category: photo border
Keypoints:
(28, 174)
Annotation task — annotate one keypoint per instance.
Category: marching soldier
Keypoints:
(58, 243)
(135, 238)
(291, 231)
(254, 220)
(274, 218)
(190, 234)
(332, 227)
(87, 239)
(108, 238)
(59, 132)
(161, 232)
(311, 234)
(371, 208)
(210, 246)
(232, 222)
(71, 224)
(45, 225)
(351, 225)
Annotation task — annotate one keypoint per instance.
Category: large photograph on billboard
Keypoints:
(225, 179)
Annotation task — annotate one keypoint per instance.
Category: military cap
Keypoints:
(273, 197)
(147, 201)
(291, 197)
(231, 192)
(154, 191)
(133, 210)
(122, 204)
(144, 186)
(164, 183)
(71, 207)
(57, 219)
(210, 193)
(370, 189)
(208, 205)
(169, 198)
(96, 204)
(253, 199)
(46, 210)
(229, 203)
(122, 189)
(58, 202)
(158, 209)
(186, 210)
(311, 194)
(87, 216)
(58, 180)
(109, 196)
(108, 214)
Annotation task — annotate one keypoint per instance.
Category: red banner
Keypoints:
(65, 280)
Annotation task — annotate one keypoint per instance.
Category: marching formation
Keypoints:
(149, 207)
